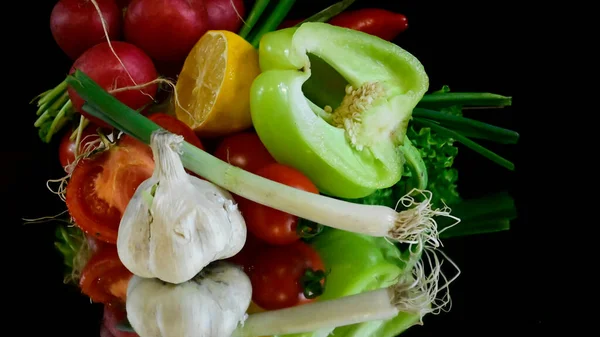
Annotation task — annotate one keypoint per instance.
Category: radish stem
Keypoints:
(413, 225)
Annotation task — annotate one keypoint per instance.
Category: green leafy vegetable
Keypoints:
(55, 110)
(72, 244)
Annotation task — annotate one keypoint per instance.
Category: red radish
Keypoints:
(76, 25)
(225, 14)
(123, 3)
(166, 29)
(101, 65)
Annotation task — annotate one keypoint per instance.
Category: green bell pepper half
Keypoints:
(335, 104)
(357, 263)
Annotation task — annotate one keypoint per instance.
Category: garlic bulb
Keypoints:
(212, 304)
(176, 224)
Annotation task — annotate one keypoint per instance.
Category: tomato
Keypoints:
(101, 186)
(113, 315)
(278, 280)
(66, 149)
(268, 224)
(245, 258)
(104, 278)
(244, 150)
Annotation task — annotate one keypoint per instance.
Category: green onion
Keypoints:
(473, 127)
(272, 22)
(253, 17)
(467, 142)
(408, 226)
(329, 12)
(478, 99)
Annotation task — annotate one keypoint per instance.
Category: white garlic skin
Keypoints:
(189, 223)
(210, 305)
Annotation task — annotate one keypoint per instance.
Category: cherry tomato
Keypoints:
(101, 186)
(104, 278)
(245, 258)
(114, 314)
(244, 150)
(269, 224)
(66, 149)
(282, 273)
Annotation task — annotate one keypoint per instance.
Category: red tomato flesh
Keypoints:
(101, 186)
(104, 278)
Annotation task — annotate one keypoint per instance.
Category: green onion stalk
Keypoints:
(413, 225)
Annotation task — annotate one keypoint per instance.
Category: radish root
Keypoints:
(236, 12)
(416, 224)
(159, 80)
(103, 22)
(418, 292)
(88, 150)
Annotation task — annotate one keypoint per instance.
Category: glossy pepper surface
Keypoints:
(335, 103)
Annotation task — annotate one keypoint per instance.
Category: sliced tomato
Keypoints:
(113, 315)
(104, 278)
(282, 273)
(268, 224)
(101, 186)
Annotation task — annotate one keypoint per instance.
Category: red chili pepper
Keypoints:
(375, 21)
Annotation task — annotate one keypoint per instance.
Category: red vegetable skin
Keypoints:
(123, 3)
(278, 270)
(101, 186)
(375, 21)
(244, 150)
(113, 315)
(66, 149)
(225, 14)
(268, 224)
(102, 66)
(104, 332)
(76, 25)
(166, 29)
(104, 278)
(246, 257)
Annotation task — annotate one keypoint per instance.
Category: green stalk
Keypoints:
(252, 19)
(478, 99)
(487, 131)
(377, 221)
(329, 12)
(467, 142)
(272, 22)
(48, 98)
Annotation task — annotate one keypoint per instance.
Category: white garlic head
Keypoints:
(176, 224)
(212, 304)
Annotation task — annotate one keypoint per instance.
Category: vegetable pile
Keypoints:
(231, 172)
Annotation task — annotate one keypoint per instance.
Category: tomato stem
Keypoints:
(313, 283)
(307, 229)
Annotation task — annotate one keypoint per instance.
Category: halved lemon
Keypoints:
(213, 88)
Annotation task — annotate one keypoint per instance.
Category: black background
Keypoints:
(470, 46)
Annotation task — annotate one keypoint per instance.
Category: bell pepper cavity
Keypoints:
(335, 104)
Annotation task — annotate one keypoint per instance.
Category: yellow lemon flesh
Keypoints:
(213, 87)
